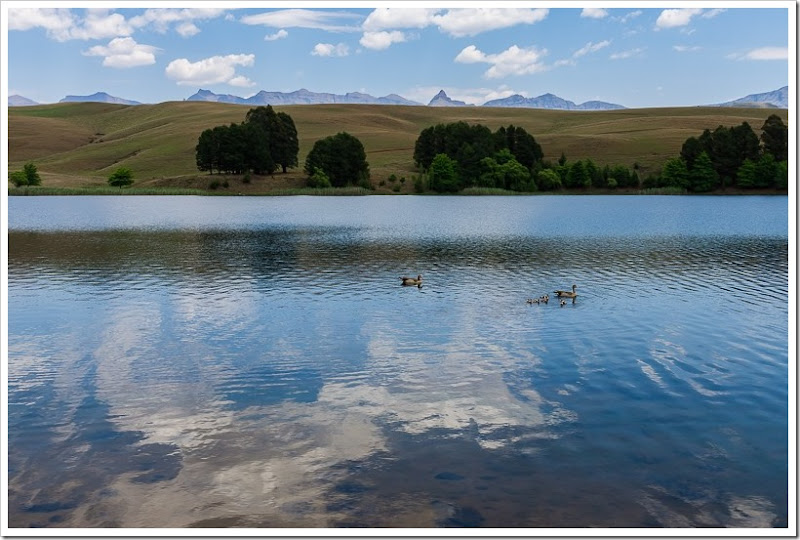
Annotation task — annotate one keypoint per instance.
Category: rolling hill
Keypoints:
(80, 144)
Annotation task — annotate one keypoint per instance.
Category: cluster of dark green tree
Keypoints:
(730, 157)
(265, 141)
(339, 160)
(458, 155)
(28, 176)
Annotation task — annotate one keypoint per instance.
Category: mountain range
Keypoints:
(300, 97)
(776, 98)
(550, 101)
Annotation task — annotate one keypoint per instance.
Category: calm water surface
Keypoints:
(254, 362)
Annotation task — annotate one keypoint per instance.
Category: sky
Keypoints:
(636, 54)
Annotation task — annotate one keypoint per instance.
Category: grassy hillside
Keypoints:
(80, 144)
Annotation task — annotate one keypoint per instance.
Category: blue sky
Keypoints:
(637, 54)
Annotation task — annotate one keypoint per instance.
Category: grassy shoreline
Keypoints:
(353, 191)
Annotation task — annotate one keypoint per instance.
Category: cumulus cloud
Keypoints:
(63, 24)
(763, 53)
(160, 19)
(590, 48)
(280, 34)
(513, 61)
(472, 21)
(187, 29)
(331, 21)
(213, 70)
(671, 18)
(381, 40)
(627, 54)
(459, 22)
(390, 18)
(124, 53)
(594, 13)
(328, 49)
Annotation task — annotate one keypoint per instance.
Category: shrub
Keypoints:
(319, 179)
(32, 175)
(18, 178)
(120, 178)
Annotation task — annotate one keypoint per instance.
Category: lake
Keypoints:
(255, 362)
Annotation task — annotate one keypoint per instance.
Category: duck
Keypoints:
(534, 301)
(545, 298)
(412, 281)
(567, 294)
(563, 303)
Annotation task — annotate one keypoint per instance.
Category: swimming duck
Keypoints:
(534, 301)
(567, 294)
(545, 298)
(563, 303)
(412, 281)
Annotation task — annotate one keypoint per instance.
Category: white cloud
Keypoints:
(328, 49)
(241, 81)
(594, 13)
(459, 22)
(763, 53)
(213, 70)
(187, 29)
(686, 48)
(671, 18)
(63, 25)
(590, 48)
(280, 34)
(381, 40)
(124, 53)
(627, 54)
(160, 19)
(711, 13)
(628, 16)
(470, 22)
(331, 21)
(392, 18)
(512, 61)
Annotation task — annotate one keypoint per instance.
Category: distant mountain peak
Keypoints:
(442, 100)
(20, 101)
(100, 97)
(776, 98)
(550, 101)
(303, 96)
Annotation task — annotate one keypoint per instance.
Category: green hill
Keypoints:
(80, 144)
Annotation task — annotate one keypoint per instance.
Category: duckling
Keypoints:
(533, 301)
(412, 281)
(563, 303)
(567, 294)
(544, 299)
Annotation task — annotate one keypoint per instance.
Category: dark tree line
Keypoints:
(505, 158)
(457, 155)
(265, 141)
(730, 157)
(338, 160)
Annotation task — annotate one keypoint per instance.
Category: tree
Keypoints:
(341, 157)
(690, 150)
(782, 175)
(123, 176)
(442, 174)
(286, 150)
(31, 175)
(702, 176)
(18, 178)
(674, 173)
(577, 177)
(775, 137)
(548, 180)
(766, 171)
